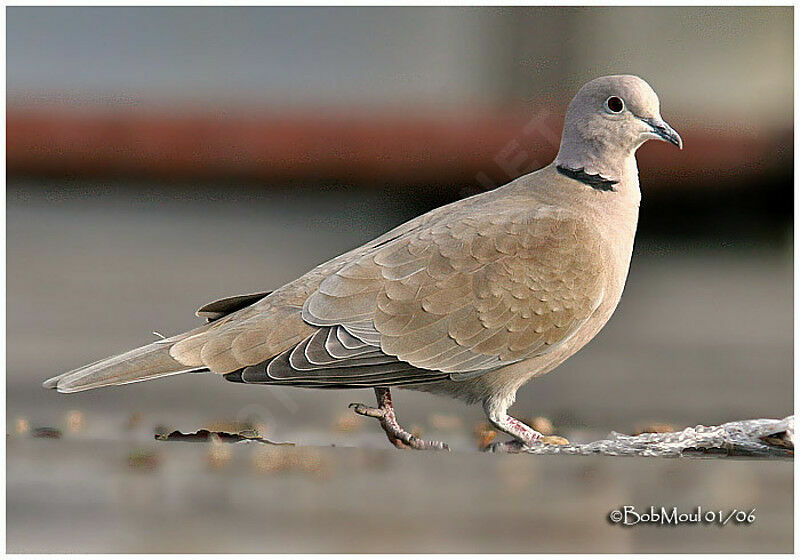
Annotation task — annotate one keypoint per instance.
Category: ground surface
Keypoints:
(71, 496)
(703, 335)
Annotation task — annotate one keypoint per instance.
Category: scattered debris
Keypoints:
(46, 432)
(22, 426)
(161, 430)
(763, 437)
(348, 422)
(654, 428)
(75, 421)
(218, 454)
(144, 459)
(554, 440)
(206, 435)
(261, 430)
(780, 439)
(304, 460)
(230, 426)
(485, 435)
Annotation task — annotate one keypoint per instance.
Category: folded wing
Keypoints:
(468, 295)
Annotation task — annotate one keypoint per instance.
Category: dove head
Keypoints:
(607, 121)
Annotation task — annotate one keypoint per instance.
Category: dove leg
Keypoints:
(385, 414)
(524, 435)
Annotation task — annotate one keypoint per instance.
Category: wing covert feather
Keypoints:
(468, 295)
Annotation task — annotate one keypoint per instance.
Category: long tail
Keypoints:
(140, 364)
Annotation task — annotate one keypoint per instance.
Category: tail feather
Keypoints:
(141, 364)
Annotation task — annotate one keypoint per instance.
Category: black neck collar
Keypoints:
(597, 182)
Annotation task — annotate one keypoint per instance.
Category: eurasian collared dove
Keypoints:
(472, 299)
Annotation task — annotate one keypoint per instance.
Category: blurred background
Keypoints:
(160, 158)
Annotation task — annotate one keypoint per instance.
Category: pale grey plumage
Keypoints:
(471, 299)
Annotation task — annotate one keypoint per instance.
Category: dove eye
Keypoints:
(615, 104)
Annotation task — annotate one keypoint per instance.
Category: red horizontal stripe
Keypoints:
(368, 148)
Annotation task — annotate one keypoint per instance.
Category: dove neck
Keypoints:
(617, 178)
(608, 164)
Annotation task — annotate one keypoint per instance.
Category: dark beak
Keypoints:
(665, 132)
